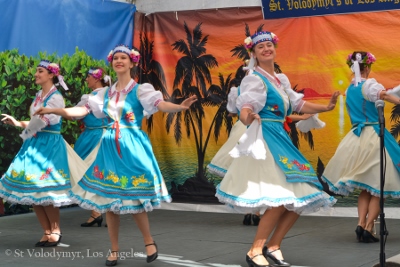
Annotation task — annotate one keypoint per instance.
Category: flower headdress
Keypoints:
(256, 38)
(55, 69)
(259, 37)
(99, 74)
(132, 53)
(354, 64)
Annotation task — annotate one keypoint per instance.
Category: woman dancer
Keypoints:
(124, 176)
(284, 183)
(356, 163)
(40, 173)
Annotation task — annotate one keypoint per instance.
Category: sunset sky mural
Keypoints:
(311, 51)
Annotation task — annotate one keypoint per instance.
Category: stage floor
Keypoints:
(192, 238)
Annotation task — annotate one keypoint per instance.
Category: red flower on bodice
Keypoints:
(130, 116)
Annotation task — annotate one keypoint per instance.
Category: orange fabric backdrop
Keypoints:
(312, 52)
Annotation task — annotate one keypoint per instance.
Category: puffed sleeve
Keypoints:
(96, 102)
(83, 101)
(372, 89)
(149, 98)
(296, 99)
(55, 101)
(252, 94)
(232, 97)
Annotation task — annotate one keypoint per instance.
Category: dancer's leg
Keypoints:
(113, 231)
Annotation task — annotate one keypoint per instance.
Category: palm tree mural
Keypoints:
(395, 118)
(150, 71)
(192, 76)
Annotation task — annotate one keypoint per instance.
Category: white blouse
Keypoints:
(85, 98)
(371, 90)
(253, 94)
(148, 97)
(84, 101)
(55, 101)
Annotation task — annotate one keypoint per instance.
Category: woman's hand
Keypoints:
(251, 117)
(42, 111)
(10, 120)
(332, 102)
(188, 102)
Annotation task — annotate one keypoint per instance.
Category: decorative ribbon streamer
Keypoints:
(116, 127)
(252, 63)
(286, 124)
(62, 83)
(107, 79)
(356, 69)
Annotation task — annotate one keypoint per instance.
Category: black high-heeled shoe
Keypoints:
(41, 243)
(98, 220)
(256, 219)
(367, 237)
(277, 263)
(153, 256)
(247, 219)
(359, 233)
(251, 263)
(113, 262)
(53, 244)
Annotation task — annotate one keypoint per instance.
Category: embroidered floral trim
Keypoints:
(113, 177)
(126, 90)
(46, 120)
(291, 164)
(97, 173)
(249, 106)
(139, 180)
(130, 116)
(123, 180)
(45, 174)
(274, 109)
(39, 99)
(158, 101)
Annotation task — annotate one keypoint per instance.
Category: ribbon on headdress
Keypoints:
(355, 68)
(250, 66)
(107, 79)
(62, 83)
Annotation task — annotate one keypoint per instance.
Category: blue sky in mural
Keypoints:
(95, 26)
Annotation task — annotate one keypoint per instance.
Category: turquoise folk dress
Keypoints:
(222, 160)
(356, 163)
(284, 177)
(93, 129)
(124, 176)
(40, 173)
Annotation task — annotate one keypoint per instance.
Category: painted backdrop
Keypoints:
(312, 52)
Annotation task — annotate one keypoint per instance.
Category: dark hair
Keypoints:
(103, 83)
(353, 57)
(55, 78)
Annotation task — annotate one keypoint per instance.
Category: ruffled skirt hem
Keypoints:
(39, 199)
(90, 201)
(346, 188)
(304, 205)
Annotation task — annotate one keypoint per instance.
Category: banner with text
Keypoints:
(274, 9)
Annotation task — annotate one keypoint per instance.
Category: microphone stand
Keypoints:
(383, 232)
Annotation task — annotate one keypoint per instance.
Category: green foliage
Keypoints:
(18, 89)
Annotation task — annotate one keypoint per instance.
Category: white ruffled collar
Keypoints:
(40, 99)
(126, 90)
(273, 79)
